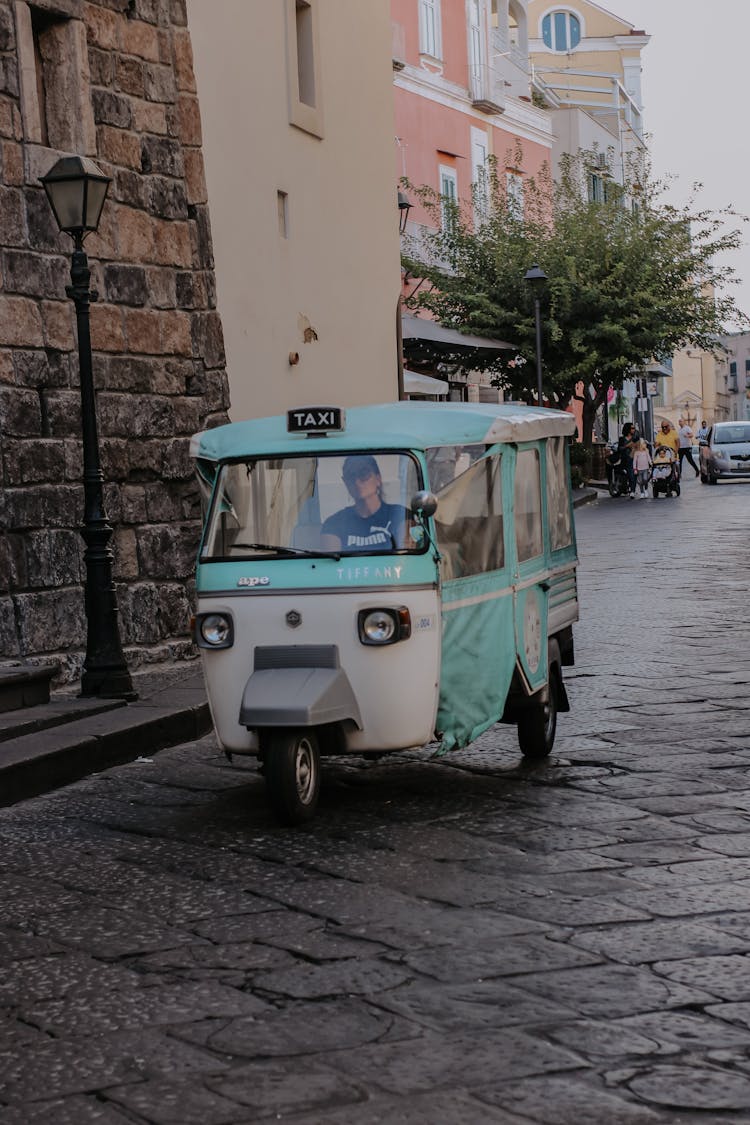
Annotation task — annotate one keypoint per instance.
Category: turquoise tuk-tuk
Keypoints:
(376, 579)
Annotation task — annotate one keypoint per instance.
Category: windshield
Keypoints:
(728, 433)
(322, 504)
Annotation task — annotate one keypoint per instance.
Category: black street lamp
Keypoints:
(404, 207)
(76, 190)
(537, 279)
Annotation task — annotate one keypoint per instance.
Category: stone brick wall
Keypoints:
(157, 340)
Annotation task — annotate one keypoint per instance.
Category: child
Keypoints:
(641, 466)
(664, 455)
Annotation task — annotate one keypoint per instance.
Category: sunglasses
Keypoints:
(358, 474)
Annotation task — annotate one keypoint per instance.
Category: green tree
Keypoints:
(631, 277)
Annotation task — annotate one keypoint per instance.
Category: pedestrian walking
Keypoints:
(685, 449)
(666, 435)
(625, 450)
(641, 468)
(702, 434)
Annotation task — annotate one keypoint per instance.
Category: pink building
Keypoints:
(462, 94)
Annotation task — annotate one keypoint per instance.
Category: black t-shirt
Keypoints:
(381, 531)
(625, 446)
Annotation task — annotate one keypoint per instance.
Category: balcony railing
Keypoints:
(604, 96)
(509, 67)
(486, 94)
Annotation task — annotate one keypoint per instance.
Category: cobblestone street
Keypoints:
(455, 939)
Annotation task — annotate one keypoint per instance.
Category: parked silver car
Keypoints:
(726, 452)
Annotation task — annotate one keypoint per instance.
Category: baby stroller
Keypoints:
(665, 474)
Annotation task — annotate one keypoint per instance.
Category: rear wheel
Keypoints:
(677, 490)
(292, 772)
(537, 725)
(655, 491)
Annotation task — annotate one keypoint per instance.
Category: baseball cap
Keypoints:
(359, 466)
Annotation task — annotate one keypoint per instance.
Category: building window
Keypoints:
(303, 65)
(305, 52)
(561, 31)
(514, 194)
(479, 175)
(476, 50)
(598, 188)
(449, 196)
(54, 80)
(430, 36)
(282, 207)
(40, 23)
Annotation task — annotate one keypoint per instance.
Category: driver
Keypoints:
(370, 524)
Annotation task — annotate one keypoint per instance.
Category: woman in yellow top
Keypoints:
(667, 435)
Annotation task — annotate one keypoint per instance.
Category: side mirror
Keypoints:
(424, 504)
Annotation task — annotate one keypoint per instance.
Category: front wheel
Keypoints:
(712, 479)
(292, 771)
(537, 725)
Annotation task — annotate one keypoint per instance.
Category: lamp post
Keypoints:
(536, 279)
(76, 190)
(404, 207)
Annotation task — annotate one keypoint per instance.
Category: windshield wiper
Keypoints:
(279, 550)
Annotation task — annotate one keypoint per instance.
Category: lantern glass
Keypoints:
(95, 195)
(76, 189)
(535, 277)
(66, 198)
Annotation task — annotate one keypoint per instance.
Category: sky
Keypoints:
(695, 104)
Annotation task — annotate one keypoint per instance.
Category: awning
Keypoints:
(428, 340)
(656, 368)
(417, 384)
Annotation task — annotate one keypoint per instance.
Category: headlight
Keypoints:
(214, 630)
(384, 626)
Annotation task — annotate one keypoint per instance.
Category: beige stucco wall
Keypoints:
(699, 387)
(608, 54)
(337, 274)
(575, 129)
(596, 21)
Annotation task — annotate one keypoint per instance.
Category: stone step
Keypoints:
(25, 685)
(58, 711)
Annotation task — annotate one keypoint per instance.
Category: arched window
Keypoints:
(561, 31)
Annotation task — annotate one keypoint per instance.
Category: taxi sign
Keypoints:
(314, 419)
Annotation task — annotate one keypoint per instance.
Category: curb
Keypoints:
(46, 758)
(583, 496)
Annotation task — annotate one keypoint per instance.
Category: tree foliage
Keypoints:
(631, 278)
